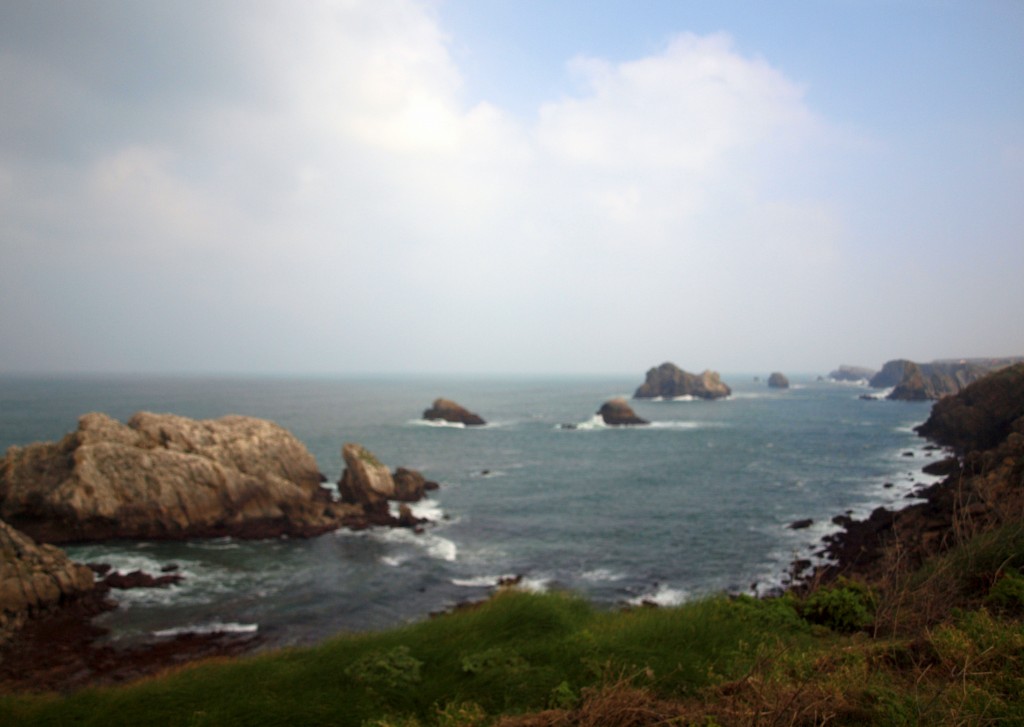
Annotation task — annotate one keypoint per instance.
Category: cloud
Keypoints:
(331, 176)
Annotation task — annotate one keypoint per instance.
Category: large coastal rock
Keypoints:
(35, 578)
(982, 415)
(778, 381)
(447, 410)
(928, 381)
(163, 476)
(617, 412)
(369, 484)
(669, 381)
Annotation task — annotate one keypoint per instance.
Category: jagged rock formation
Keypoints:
(778, 381)
(35, 578)
(851, 373)
(618, 412)
(669, 381)
(923, 381)
(447, 410)
(368, 483)
(163, 476)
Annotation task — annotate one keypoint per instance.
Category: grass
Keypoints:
(942, 644)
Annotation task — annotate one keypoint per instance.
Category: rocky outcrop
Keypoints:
(778, 381)
(668, 381)
(912, 381)
(617, 412)
(448, 411)
(163, 476)
(982, 415)
(851, 373)
(35, 578)
(369, 484)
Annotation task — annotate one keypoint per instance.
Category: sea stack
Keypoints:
(617, 412)
(448, 411)
(668, 381)
(778, 381)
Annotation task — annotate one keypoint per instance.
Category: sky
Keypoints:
(486, 187)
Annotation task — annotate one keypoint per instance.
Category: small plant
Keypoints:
(389, 669)
(563, 697)
(846, 607)
(1007, 594)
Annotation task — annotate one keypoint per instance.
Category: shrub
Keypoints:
(846, 607)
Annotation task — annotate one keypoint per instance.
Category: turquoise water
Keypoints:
(699, 502)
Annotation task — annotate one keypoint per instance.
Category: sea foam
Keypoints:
(214, 627)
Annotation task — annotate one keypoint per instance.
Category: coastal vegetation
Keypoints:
(942, 644)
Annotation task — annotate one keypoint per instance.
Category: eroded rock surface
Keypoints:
(162, 476)
(669, 381)
(617, 412)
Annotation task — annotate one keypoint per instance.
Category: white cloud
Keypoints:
(357, 193)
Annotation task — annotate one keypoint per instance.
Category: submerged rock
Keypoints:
(162, 476)
(447, 410)
(669, 381)
(618, 412)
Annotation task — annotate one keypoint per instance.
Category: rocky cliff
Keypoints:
(669, 381)
(162, 476)
(985, 426)
(923, 381)
(851, 373)
(34, 579)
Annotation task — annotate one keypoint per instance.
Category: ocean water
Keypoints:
(697, 503)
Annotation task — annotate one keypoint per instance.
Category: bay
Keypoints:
(697, 503)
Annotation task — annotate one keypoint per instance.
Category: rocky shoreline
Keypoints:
(983, 429)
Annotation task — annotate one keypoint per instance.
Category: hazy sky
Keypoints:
(518, 186)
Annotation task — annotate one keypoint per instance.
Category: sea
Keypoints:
(699, 502)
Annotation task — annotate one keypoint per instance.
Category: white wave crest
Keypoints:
(482, 581)
(602, 575)
(214, 627)
(440, 423)
(662, 595)
(435, 545)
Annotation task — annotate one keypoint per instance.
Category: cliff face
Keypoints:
(923, 381)
(165, 477)
(982, 415)
(669, 381)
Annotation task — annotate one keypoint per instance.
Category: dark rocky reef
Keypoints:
(778, 381)
(928, 381)
(668, 381)
(617, 412)
(447, 410)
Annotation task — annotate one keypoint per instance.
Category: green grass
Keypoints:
(558, 660)
(517, 652)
